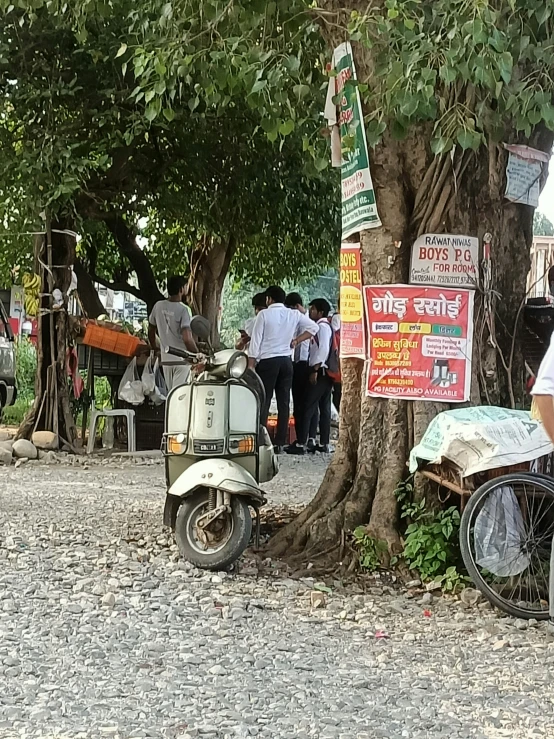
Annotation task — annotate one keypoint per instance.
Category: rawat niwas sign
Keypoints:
(445, 259)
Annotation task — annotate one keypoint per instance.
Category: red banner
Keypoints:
(352, 333)
(420, 342)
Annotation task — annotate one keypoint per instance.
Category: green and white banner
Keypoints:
(343, 109)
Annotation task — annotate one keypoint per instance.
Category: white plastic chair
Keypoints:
(119, 412)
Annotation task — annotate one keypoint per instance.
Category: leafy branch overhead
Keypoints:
(79, 139)
(471, 69)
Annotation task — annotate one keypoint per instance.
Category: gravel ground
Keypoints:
(105, 633)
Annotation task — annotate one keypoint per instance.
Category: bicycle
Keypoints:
(506, 533)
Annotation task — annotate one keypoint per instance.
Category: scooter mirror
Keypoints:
(201, 327)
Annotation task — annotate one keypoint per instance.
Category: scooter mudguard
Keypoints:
(222, 474)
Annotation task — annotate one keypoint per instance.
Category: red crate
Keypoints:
(115, 342)
(272, 430)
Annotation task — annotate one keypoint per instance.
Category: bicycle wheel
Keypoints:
(506, 535)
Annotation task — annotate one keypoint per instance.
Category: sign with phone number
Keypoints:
(420, 342)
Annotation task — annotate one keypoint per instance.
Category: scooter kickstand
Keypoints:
(257, 527)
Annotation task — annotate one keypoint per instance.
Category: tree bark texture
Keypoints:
(51, 410)
(417, 193)
(209, 266)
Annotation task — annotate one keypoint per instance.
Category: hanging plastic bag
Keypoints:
(160, 388)
(148, 379)
(499, 535)
(130, 388)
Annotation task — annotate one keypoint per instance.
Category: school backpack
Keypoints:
(333, 362)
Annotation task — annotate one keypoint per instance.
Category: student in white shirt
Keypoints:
(337, 387)
(543, 391)
(276, 331)
(300, 377)
(320, 385)
(258, 303)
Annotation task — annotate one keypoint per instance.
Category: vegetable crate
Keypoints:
(115, 342)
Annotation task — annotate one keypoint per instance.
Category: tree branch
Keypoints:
(120, 287)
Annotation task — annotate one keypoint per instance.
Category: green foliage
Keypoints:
(25, 373)
(473, 69)
(126, 114)
(25, 367)
(430, 539)
(370, 550)
(541, 225)
(13, 415)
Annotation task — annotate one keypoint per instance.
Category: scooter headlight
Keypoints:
(237, 365)
(176, 443)
(242, 444)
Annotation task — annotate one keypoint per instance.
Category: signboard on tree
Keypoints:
(343, 109)
(445, 259)
(352, 332)
(420, 342)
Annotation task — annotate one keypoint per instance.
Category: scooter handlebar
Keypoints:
(183, 354)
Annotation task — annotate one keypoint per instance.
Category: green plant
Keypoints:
(370, 550)
(13, 415)
(452, 581)
(430, 542)
(430, 539)
(25, 367)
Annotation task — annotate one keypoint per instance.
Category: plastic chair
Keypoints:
(121, 413)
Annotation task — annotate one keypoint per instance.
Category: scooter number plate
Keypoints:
(209, 447)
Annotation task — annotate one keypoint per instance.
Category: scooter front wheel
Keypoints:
(221, 543)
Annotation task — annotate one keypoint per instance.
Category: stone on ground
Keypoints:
(24, 449)
(46, 441)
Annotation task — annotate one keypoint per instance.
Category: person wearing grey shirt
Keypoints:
(170, 319)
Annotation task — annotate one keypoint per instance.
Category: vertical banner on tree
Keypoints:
(420, 342)
(352, 331)
(359, 211)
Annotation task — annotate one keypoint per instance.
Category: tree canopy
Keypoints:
(79, 140)
(541, 225)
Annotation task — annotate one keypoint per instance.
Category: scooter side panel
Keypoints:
(243, 410)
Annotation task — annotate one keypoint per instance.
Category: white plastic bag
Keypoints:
(148, 378)
(130, 387)
(159, 395)
(499, 535)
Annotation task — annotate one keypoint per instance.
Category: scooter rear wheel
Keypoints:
(229, 535)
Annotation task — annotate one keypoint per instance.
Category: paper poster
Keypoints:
(420, 342)
(352, 333)
(17, 301)
(482, 438)
(523, 174)
(445, 259)
(344, 108)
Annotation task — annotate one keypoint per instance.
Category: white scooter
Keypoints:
(216, 456)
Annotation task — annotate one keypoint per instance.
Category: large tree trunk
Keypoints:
(209, 265)
(417, 193)
(51, 410)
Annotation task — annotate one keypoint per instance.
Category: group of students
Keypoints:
(289, 346)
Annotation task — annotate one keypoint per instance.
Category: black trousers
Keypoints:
(318, 397)
(276, 376)
(337, 395)
(300, 384)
